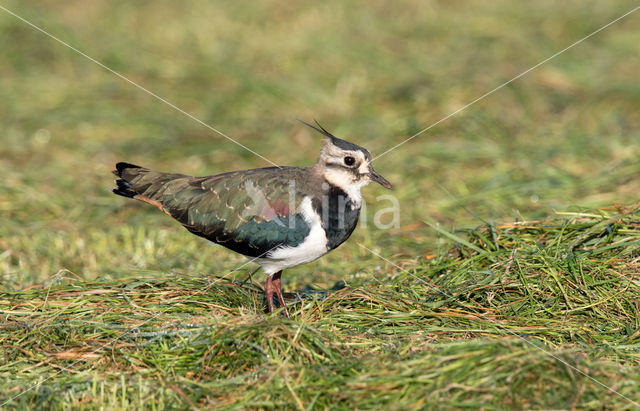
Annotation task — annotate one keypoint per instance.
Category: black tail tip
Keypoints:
(123, 189)
(124, 193)
(121, 166)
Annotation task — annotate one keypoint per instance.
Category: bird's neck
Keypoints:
(344, 180)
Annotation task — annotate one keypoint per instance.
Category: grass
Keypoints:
(516, 315)
(514, 267)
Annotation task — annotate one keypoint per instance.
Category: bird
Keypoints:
(278, 217)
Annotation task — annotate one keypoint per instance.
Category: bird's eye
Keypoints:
(348, 160)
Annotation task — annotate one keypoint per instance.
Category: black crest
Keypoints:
(345, 145)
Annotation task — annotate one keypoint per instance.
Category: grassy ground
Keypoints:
(512, 280)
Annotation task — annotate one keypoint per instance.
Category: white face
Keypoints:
(346, 165)
(347, 169)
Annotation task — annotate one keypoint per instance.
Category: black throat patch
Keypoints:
(338, 214)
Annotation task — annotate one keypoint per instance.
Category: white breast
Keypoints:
(313, 247)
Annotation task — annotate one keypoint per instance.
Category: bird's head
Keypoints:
(345, 164)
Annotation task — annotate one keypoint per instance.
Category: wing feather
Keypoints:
(251, 212)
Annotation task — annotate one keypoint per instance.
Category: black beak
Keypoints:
(379, 179)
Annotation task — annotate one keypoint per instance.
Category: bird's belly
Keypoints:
(313, 247)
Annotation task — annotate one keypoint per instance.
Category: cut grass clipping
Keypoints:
(507, 315)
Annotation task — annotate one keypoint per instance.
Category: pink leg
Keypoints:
(276, 285)
(268, 291)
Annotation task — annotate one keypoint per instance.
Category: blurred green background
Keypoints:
(563, 137)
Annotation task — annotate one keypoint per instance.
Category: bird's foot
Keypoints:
(273, 284)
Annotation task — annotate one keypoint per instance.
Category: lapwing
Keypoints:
(279, 217)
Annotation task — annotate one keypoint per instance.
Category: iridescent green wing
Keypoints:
(251, 212)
